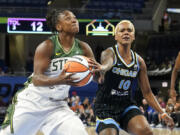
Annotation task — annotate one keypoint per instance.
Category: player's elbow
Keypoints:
(35, 81)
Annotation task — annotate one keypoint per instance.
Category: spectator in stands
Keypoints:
(92, 103)
(174, 75)
(170, 106)
(173, 108)
(86, 103)
(144, 108)
(161, 102)
(166, 21)
(83, 116)
(76, 105)
(74, 97)
(157, 117)
(91, 120)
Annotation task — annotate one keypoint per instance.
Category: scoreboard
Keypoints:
(88, 27)
(27, 26)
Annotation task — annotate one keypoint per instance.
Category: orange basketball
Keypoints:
(79, 65)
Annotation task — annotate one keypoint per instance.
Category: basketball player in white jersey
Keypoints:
(42, 104)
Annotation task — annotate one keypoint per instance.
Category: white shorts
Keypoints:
(33, 113)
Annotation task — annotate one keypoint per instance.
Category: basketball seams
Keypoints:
(75, 70)
(79, 66)
(79, 63)
(86, 79)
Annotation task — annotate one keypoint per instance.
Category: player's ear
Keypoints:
(59, 27)
(115, 37)
(133, 38)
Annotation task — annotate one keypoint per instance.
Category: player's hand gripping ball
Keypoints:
(79, 65)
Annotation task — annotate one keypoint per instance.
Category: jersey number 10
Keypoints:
(124, 84)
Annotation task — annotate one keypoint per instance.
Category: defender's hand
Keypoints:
(173, 93)
(94, 65)
(168, 120)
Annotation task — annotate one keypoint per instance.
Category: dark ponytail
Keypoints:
(52, 19)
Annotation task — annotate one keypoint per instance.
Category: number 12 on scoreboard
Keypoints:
(37, 26)
(27, 25)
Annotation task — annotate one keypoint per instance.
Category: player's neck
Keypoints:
(124, 50)
(66, 40)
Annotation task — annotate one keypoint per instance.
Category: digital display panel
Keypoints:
(27, 26)
(100, 27)
(89, 27)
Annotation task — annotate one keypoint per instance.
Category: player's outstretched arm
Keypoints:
(149, 96)
(174, 76)
(107, 59)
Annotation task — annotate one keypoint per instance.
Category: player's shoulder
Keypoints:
(139, 58)
(179, 54)
(45, 46)
(46, 43)
(110, 49)
(81, 43)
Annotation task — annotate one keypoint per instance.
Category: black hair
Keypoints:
(52, 19)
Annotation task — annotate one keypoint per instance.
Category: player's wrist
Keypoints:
(164, 115)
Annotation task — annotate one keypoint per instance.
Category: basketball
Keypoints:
(79, 65)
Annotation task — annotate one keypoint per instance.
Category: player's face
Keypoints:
(125, 33)
(68, 23)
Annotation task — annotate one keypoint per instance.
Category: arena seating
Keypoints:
(93, 9)
(23, 8)
(114, 9)
(162, 50)
(18, 3)
(113, 5)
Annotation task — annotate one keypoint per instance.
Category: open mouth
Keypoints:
(74, 25)
(126, 38)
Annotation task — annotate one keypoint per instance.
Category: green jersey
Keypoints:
(59, 56)
(58, 59)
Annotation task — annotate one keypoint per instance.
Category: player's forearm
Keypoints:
(153, 102)
(42, 80)
(173, 79)
(106, 61)
(106, 67)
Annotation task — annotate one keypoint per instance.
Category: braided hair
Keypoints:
(52, 19)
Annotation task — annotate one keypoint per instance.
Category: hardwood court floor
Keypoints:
(157, 131)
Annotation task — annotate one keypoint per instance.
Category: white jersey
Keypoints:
(58, 59)
(56, 92)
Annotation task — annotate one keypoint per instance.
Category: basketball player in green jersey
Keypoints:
(42, 104)
(114, 106)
